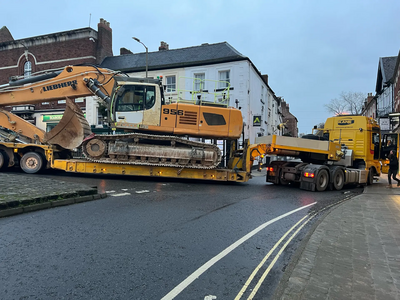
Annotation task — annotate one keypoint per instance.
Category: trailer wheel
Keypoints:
(338, 180)
(31, 162)
(3, 160)
(370, 179)
(322, 180)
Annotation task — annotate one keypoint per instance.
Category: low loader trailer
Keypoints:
(33, 158)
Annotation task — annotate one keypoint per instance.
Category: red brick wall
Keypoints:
(46, 56)
(53, 51)
(289, 119)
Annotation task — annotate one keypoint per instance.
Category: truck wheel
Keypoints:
(281, 180)
(322, 180)
(338, 180)
(31, 162)
(3, 160)
(370, 179)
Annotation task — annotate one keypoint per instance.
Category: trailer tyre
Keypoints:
(31, 162)
(338, 180)
(3, 160)
(322, 180)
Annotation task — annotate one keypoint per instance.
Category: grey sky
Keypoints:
(311, 50)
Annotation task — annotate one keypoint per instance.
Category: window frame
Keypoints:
(27, 69)
(199, 82)
(170, 87)
(224, 82)
(131, 106)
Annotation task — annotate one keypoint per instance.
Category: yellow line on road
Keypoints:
(255, 290)
(196, 274)
(253, 274)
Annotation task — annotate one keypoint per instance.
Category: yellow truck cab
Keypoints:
(360, 134)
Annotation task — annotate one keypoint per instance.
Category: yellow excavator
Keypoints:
(156, 133)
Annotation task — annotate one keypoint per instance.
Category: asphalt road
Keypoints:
(152, 239)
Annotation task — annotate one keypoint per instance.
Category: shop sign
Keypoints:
(52, 118)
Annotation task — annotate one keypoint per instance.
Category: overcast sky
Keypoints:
(311, 50)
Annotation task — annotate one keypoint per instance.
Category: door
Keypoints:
(137, 104)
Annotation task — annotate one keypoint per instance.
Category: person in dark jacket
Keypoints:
(393, 168)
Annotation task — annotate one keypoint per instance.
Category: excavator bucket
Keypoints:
(71, 130)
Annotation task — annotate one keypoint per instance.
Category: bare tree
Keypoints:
(348, 103)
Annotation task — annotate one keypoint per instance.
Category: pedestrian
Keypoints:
(393, 168)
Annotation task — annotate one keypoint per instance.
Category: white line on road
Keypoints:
(121, 194)
(143, 191)
(196, 274)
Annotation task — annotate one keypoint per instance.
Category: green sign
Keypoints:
(51, 118)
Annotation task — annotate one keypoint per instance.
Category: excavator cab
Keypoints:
(136, 103)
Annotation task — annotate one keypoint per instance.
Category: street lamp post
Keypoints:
(147, 53)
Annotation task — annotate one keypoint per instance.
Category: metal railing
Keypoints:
(201, 92)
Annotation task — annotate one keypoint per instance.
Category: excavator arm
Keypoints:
(71, 82)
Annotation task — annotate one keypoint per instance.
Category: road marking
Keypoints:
(141, 192)
(121, 194)
(271, 265)
(196, 274)
(253, 274)
(255, 290)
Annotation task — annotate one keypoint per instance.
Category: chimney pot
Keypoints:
(163, 46)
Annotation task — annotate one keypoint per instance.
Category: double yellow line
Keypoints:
(303, 221)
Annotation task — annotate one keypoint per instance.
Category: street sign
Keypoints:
(256, 120)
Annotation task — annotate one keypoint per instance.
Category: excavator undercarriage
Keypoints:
(151, 150)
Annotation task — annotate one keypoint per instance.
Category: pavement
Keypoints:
(353, 252)
(20, 193)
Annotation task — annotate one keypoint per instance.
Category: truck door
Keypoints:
(375, 146)
(389, 142)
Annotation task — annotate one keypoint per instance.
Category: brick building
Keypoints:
(290, 120)
(25, 57)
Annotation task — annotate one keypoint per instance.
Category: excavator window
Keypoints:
(135, 98)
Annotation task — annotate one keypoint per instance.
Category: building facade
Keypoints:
(29, 56)
(369, 107)
(396, 94)
(385, 93)
(290, 121)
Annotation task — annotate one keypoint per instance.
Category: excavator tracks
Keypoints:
(151, 150)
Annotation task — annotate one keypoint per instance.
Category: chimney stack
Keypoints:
(265, 77)
(123, 51)
(163, 46)
(104, 38)
(370, 97)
